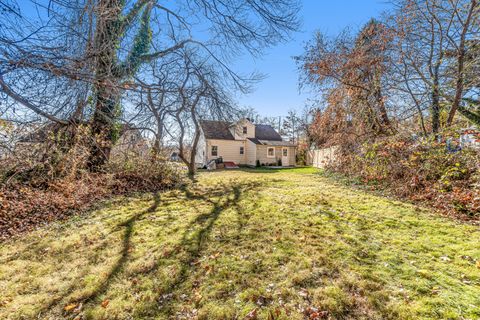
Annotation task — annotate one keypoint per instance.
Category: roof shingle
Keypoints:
(221, 130)
(216, 130)
(266, 132)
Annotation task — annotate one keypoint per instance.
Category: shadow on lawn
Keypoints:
(197, 232)
(126, 244)
(118, 267)
(194, 239)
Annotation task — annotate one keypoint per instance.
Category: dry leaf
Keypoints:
(70, 307)
(252, 315)
(478, 264)
(105, 303)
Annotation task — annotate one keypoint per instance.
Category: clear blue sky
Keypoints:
(279, 92)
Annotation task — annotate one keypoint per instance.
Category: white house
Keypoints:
(243, 143)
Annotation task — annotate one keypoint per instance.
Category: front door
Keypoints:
(285, 157)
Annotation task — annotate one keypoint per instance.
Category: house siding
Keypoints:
(201, 155)
(264, 159)
(237, 130)
(251, 153)
(229, 150)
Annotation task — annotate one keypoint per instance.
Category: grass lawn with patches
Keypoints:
(246, 244)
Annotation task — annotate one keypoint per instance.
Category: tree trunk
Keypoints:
(157, 144)
(106, 82)
(383, 111)
(435, 108)
(103, 128)
(460, 65)
(192, 166)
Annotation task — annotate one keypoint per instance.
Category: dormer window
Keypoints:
(245, 130)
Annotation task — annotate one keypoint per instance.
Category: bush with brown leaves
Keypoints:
(420, 170)
(43, 183)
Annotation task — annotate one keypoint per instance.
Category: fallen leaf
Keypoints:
(105, 303)
(70, 307)
(478, 264)
(252, 315)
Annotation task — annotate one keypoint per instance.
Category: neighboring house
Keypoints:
(470, 137)
(130, 139)
(243, 143)
(174, 156)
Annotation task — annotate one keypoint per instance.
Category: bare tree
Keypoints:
(101, 46)
(431, 48)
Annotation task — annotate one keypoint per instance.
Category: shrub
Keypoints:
(139, 174)
(48, 181)
(301, 156)
(257, 163)
(420, 170)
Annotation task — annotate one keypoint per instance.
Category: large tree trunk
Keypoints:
(106, 82)
(382, 110)
(103, 128)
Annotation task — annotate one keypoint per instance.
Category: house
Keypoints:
(470, 137)
(243, 143)
(130, 139)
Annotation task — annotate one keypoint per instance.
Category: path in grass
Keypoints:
(252, 244)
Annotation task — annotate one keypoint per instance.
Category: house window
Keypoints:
(214, 151)
(271, 152)
(285, 152)
(242, 150)
(245, 130)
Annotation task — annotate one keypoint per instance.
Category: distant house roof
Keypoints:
(44, 132)
(41, 133)
(254, 140)
(221, 130)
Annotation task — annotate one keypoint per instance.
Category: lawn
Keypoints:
(246, 244)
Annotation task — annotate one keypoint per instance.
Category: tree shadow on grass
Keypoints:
(197, 232)
(221, 197)
(128, 225)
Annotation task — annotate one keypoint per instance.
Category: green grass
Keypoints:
(275, 243)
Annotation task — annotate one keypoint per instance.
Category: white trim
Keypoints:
(285, 158)
(211, 150)
(273, 156)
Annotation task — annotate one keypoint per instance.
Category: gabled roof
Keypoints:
(221, 130)
(216, 130)
(266, 132)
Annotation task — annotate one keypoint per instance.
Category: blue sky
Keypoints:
(278, 93)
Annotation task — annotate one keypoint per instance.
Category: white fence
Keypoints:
(320, 158)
